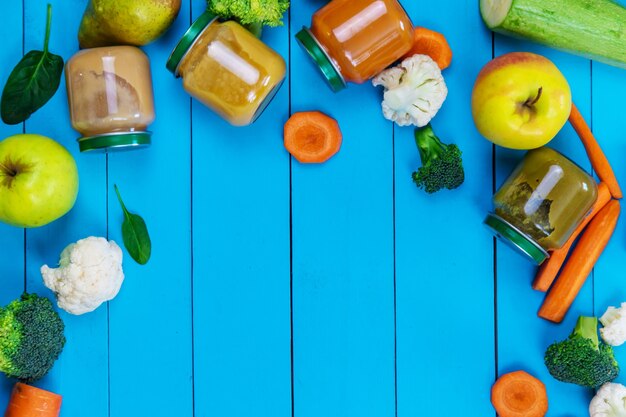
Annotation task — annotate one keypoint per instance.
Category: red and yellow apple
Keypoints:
(520, 100)
(38, 180)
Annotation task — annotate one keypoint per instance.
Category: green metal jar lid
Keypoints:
(114, 142)
(329, 70)
(511, 235)
(188, 40)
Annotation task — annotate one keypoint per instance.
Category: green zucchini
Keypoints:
(595, 29)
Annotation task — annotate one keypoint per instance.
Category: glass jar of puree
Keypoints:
(110, 98)
(541, 203)
(354, 40)
(227, 68)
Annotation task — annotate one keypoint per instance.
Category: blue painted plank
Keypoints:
(609, 86)
(11, 238)
(522, 336)
(150, 321)
(343, 282)
(444, 256)
(241, 260)
(81, 374)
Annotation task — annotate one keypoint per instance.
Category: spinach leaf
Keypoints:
(32, 82)
(135, 234)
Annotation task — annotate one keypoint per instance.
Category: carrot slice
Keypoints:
(28, 401)
(550, 268)
(519, 394)
(576, 270)
(312, 137)
(598, 159)
(431, 43)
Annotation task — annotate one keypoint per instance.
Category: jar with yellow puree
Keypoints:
(541, 203)
(227, 68)
(354, 40)
(110, 98)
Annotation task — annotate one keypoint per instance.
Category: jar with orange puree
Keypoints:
(354, 40)
(227, 68)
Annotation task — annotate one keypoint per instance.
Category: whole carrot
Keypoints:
(581, 262)
(598, 160)
(550, 268)
(28, 401)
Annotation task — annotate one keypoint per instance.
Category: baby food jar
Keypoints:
(227, 68)
(541, 203)
(110, 98)
(354, 40)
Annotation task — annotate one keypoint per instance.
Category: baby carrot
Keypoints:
(550, 268)
(598, 160)
(576, 270)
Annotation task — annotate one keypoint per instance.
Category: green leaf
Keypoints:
(33, 82)
(135, 234)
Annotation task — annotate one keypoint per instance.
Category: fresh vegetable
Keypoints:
(591, 28)
(614, 321)
(442, 166)
(582, 359)
(431, 43)
(599, 161)
(414, 91)
(89, 273)
(28, 401)
(135, 234)
(33, 82)
(584, 256)
(252, 14)
(31, 337)
(312, 136)
(519, 394)
(551, 267)
(609, 401)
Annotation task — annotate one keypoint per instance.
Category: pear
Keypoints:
(125, 22)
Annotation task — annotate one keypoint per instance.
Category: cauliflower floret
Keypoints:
(89, 273)
(610, 401)
(614, 322)
(414, 91)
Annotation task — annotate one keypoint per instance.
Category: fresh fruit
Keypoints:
(125, 22)
(38, 180)
(520, 100)
(591, 28)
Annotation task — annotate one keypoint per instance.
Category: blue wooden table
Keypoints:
(278, 289)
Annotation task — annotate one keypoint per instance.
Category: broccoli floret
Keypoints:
(442, 166)
(254, 14)
(31, 338)
(582, 359)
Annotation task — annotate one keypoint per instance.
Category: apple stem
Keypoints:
(535, 100)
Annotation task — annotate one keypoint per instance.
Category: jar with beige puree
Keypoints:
(227, 68)
(110, 98)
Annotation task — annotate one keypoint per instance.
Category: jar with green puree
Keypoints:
(541, 203)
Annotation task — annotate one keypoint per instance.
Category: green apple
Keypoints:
(520, 100)
(38, 180)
